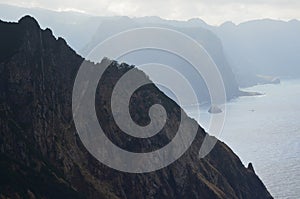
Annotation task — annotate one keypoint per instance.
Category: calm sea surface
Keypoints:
(265, 130)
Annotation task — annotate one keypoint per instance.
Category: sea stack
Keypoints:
(214, 109)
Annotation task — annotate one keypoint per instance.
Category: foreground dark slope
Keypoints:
(41, 153)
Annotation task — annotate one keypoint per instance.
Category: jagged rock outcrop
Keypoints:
(43, 157)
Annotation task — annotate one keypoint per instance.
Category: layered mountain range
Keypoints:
(84, 32)
(262, 47)
(250, 50)
(210, 42)
(42, 155)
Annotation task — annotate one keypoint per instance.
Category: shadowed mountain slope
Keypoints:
(43, 157)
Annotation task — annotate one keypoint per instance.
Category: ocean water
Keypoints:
(265, 130)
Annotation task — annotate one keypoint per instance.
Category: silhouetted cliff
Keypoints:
(43, 157)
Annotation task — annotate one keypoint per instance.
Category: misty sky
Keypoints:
(212, 11)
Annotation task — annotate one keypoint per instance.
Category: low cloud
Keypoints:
(212, 11)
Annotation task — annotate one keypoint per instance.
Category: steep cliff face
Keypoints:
(262, 47)
(204, 37)
(43, 157)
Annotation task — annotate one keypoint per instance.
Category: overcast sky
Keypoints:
(211, 11)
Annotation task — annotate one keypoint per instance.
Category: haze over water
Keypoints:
(265, 130)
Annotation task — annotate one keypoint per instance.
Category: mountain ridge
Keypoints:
(204, 37)
(38, 136)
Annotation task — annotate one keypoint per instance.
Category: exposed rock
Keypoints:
(41, 151)
(250, 93)
(264, 79)
(250, 167)
(214, 109)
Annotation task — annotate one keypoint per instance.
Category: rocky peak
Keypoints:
(28, 21)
